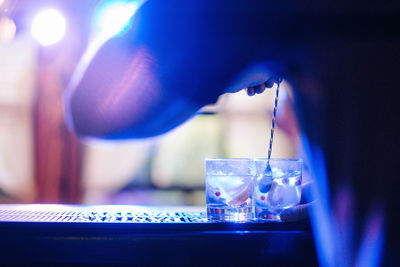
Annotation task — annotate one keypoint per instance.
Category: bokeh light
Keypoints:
(48, 27)
(7, 29)
(114, 17)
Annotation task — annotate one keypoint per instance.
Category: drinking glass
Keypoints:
(279, 191)
(229, 189)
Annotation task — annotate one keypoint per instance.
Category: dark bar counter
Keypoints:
(136, 235)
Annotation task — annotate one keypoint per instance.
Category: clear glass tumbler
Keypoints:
(229, 189)
(280, 191)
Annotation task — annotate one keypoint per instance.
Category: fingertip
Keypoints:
(286, 215)
(261, 91)
(297, 213)
(250, 91)
(269, 83)
(259, 88)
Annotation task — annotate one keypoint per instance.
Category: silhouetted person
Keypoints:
(342, 60)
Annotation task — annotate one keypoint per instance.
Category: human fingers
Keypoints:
(296, 213)
(270, 82)
(259, 88)
(250, 91)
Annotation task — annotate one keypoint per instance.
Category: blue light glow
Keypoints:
(332, 227)
(114, 17)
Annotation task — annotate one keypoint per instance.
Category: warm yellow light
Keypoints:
(1, 2)
(7, 28)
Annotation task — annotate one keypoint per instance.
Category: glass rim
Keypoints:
(279, 159)
(230, 159)
(255, 159)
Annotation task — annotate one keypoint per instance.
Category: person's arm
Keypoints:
(177, 57)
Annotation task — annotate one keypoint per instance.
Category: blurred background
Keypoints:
(42, 43)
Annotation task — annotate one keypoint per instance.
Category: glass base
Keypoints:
(230, 214)
(268, 214)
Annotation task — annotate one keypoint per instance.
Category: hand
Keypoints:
(260, 88)
(301, 211)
